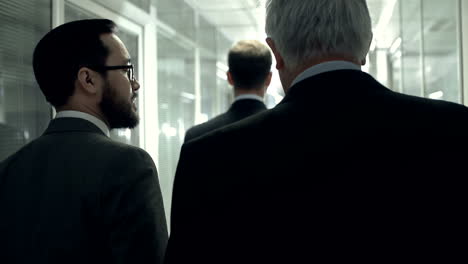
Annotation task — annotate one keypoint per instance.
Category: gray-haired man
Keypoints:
(343, 169)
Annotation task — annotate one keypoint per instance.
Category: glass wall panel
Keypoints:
(424, 56)
(176, 101)
(179, 15)
(441, 49)
(73, 12)
(412, 57)
(384, 60)
(208, 82)
(24, 112)
(394, 52)
(224, 90)
(143, 4)
(207, 35)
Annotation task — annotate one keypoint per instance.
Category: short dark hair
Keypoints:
(249, 63)
(63, 51)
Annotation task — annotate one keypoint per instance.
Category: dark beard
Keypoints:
(119, 114)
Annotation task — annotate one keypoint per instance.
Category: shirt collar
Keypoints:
(76, 114)
(248, 96)
(325, 67)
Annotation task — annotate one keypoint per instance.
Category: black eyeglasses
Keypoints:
(130, 69)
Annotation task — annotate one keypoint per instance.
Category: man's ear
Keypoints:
(278, 57)
(88, 80)
(229, 77)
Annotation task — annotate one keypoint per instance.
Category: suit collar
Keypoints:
(70, 124)
(340, 85)
(325, 67)
(77, 114)
(248, 96)
(247, 103)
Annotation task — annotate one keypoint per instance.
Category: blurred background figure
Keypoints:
(250, 75)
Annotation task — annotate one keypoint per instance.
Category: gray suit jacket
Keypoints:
(75, 196)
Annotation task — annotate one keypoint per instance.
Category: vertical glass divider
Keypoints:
(463, 19)
(58, 12)
(423, 58)
(150, 90)
(197, 63)
(58, 18)
(400, 35)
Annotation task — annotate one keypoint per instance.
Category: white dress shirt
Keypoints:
(248, 96)
(76, 114)
(325, 67)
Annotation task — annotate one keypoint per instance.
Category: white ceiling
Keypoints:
(237, 19)
(245, 19)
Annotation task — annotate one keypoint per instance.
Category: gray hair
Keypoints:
(316, 29)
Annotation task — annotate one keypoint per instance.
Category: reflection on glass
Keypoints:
(412, 74)
(395, 62)
(176, 100)
(394, 51)
(143, 4)
(207, 41)
(179, 15)
(24, 113)
(208, 84)
(441, 50)
(223, 89)
(426, 62)
(130, 40)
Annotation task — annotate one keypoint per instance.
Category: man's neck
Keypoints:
(296, 72)
(256, 91)
(85, 109)
(320, 61)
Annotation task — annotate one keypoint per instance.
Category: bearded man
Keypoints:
(73, 195)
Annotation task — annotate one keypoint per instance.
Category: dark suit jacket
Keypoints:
(239, 110)
(11, 140)
(342, 169)
(75, 196)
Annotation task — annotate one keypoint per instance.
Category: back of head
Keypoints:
(319, 29)
(249, 63)
(63, 51)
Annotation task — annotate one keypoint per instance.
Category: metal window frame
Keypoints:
(463, 19)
